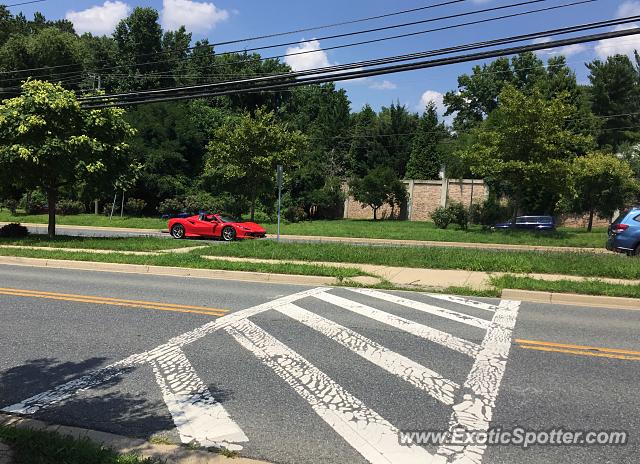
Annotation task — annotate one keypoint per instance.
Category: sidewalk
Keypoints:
(42, 229)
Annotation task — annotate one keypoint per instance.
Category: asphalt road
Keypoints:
(301, 375)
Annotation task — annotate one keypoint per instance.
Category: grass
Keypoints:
(522, 262)
(100, 243)
(405, 230)
(400, 230)
(587, 287)
(43, 447)
(189, 260)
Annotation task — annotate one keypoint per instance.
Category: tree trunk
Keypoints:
(590, 225)
(253, 206)
(375, 214)
(52, 199)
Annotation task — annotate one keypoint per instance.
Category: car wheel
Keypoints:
(228, 234)
(177, 231)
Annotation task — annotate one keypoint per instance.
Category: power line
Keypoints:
(335, 77)
(349, 34)
(376, 62)
(24, 3)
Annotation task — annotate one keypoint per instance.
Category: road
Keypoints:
(293, 374)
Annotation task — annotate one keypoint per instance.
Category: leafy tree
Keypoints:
(602, 183)
(615, 96)
(246, 149)
(526, 147)
(48, 141)
(379, 187)
(426, 154)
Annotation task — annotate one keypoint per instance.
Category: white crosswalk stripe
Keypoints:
(419, 330)
(199, 417)
(421, 377)
(426, 308)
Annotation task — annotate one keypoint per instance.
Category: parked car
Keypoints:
(214, 226)
(176, 215)
(624, 233)
(540, 223)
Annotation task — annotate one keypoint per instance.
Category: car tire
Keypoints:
(228, 234)
(177, 231)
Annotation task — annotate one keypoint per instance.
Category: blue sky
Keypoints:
(221, 20)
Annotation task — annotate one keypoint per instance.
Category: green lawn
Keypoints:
(401, 230)
(580, 264)
(42, 447)
(101, 243)
(405, 230)
(589, 287)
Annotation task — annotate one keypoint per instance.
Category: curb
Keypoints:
(96, 228)
(171, 454)
(572, 299)
(213, 274)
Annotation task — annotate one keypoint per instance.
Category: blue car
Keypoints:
(624, 233)
(539, 223)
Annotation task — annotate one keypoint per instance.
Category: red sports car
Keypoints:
(214, 226)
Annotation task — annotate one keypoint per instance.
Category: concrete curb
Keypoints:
(173, 454)
(572, 299)
(214, 274)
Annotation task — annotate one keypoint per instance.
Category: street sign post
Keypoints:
(279, 173)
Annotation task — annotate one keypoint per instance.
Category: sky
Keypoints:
(221, 20)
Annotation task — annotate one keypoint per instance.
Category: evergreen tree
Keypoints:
(426, 156)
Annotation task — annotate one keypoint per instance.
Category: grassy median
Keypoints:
(586, 287)
(42, 447)
(100, 243)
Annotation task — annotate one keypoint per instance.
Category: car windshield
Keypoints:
(227, 219)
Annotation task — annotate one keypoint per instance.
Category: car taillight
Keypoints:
(619, 228)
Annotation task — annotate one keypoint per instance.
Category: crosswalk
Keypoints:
(200, 417)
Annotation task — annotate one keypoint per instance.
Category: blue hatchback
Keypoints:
(539, 223)
(624, 233)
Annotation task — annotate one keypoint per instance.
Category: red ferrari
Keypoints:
(214, 226)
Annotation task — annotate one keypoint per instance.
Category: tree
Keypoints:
(366, 151)
(526, 147)
(426, 156)
(245, 151)
(602, 184)
(379, 187)
(397, 126)
(48, 141)
(615, 96)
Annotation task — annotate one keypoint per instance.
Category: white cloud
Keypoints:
(621, 45)
(432, 96)
(567, 50)
(307, 55)
(195, 16)
(384, 85)
(99, 20)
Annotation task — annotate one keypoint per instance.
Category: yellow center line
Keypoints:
(580, 350)
(106, 299)
(115, 302)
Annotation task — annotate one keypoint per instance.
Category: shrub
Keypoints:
(34, 202)
(459, 215)
(170, 206)
(294, 214)
(135, 206)
(441, 217)
(70, 207)
(11, 204)
(488, 213)
(14, 231)
(203, 201)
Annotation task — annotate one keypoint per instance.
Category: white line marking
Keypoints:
(365, 430)
(464, 301)
(475, 411)
(419, 376)
(100, 376)
(419, 330)
(196, 414)
(427, 308)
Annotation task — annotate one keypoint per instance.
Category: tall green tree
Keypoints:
(526, 147)
(397, 126)
(367, 150)
(378, 187)
(602, 184)
(246, 149)
(426, 150)
(615, 96)
(48, 141)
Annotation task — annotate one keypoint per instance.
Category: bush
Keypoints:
(488, 213)
(135, 206)
(11, 204)
(441, 217)
(34, 202)
(14, 231)
(459, 215)
(70, 207)
(169, 206)
(203, 201)
(294, 214)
